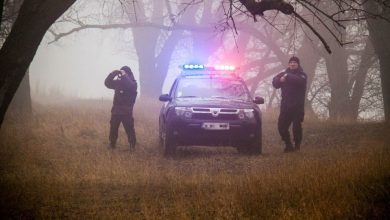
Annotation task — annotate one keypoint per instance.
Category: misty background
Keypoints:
(78, 65)
(54, 161)
(93, 38)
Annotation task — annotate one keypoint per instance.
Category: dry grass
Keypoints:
(57, 166)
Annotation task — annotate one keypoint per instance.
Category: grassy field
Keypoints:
(57, 165)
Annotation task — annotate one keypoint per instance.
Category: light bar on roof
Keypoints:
(203, 67)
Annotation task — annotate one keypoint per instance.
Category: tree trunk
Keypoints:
(145, 43)
(337, 69)
(379, 36)
(204, 43)
(21, 103)
(35, 17)
(346, 89)
(1, 12)
(145, 40)
(153, 66)
(384, 57)
(309, 58)
(367, 59)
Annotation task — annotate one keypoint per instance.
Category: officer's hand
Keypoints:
(117, 72)
(283, 78)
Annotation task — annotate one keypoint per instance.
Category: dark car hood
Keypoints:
(213, 103)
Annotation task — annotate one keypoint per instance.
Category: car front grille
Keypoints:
(215, 114)
(211, 117)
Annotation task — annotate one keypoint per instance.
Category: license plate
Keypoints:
(215, 126)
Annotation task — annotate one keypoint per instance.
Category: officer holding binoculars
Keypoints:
(125, 86)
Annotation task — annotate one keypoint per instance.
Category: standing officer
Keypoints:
(293, 85)
(125, 86)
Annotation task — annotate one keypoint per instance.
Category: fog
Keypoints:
(77, 65)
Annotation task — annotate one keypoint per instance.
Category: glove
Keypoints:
(116, 72)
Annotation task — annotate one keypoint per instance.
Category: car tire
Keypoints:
(243, 149)
(253, 147)
(160, 136)
(168, 143)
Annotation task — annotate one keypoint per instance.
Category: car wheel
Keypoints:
(168, 143)
(243, 149)
(161, 148)
(253, 147)
(160, 138)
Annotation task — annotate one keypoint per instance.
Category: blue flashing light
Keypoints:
(193, 67)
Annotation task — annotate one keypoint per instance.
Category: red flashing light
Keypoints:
(224, 67)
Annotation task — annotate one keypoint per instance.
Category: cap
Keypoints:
(126, 69)
(296, 59)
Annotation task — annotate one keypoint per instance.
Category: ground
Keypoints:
(57, 165)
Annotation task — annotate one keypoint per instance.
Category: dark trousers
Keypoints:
(128, 124)
(284, 122)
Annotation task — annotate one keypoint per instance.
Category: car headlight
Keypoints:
(185, 112)
(246, 114)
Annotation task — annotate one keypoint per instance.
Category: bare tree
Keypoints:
(156, 36)
(347, 83)
(18, 50)
(333, 17)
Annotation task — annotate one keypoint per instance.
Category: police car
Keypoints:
(210, 106)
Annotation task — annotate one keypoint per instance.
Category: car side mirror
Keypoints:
(259, 100)
(165, 98)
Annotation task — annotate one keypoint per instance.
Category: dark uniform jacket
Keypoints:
(125, 93)
(293, 90)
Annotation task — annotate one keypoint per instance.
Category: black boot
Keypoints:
(289, 147)
(111, 146)
(297, 147)
(132, 144)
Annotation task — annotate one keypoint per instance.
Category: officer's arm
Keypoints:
(110, 82)
(276, 81)
(299, 80)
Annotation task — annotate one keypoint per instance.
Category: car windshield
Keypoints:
(219, 88)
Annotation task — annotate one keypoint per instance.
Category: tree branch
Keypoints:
(127, 26)
(314, 31)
